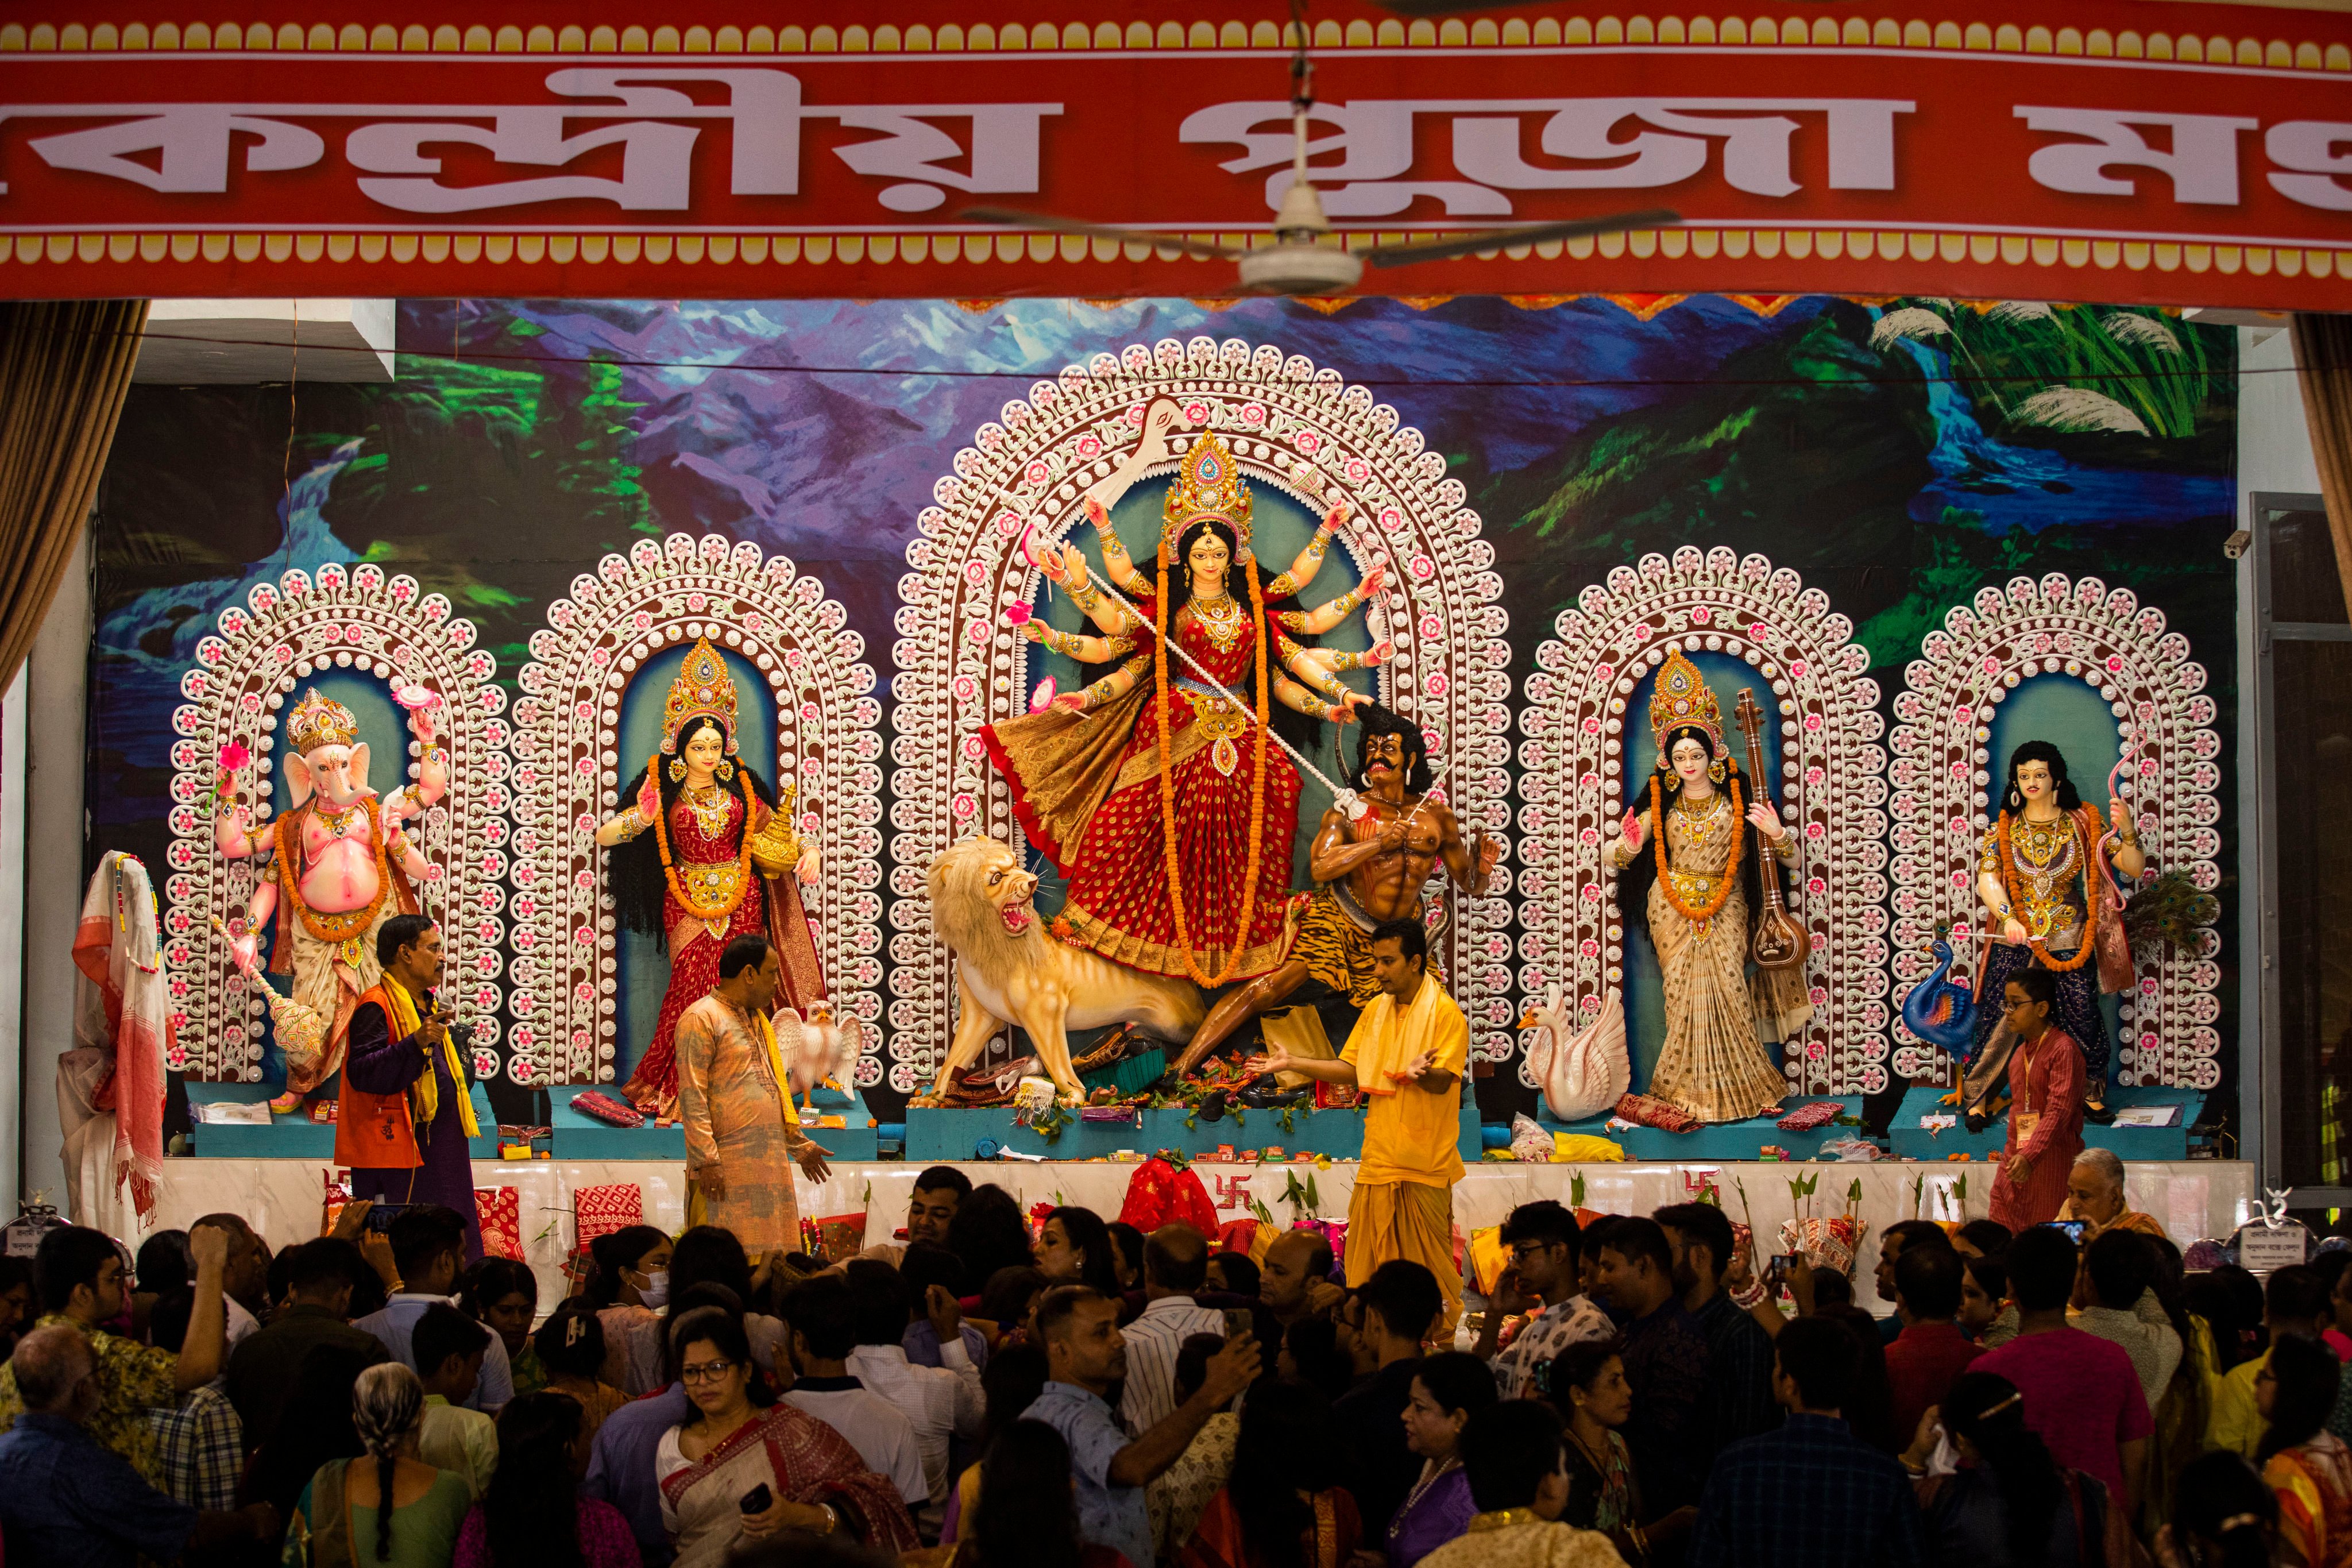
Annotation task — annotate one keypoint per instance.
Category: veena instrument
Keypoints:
(1781, 941)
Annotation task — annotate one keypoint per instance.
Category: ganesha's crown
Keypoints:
(319, 720)
(1208, 484)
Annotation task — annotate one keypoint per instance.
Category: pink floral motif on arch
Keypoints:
(1812, 680)
(1944, 779)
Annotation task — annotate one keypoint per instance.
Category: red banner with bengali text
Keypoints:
(2138, 153)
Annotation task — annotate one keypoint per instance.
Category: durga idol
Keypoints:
(1155, 794)
(336, 864)
(1706, 836)
(706, 852)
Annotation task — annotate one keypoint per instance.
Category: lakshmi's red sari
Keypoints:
(1086, 790)
(708, 865)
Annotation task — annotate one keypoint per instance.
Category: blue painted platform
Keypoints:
(1722, 1140)
(297, 1137)
(936, 1133)
(579, 1136)
(1914, 1142)
(1743, 1140)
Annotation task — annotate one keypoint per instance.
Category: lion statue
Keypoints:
(1009, 970)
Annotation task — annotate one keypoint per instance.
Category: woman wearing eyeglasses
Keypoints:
(737, 1471)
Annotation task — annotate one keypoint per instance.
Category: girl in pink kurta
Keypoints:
(2045, 1126)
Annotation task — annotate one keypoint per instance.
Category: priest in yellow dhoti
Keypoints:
(1406, 1056)
(734, 1100)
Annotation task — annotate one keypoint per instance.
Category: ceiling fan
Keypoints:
(1299, 261)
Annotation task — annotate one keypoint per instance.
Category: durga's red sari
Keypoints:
(1086, 790)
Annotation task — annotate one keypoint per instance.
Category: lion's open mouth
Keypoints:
(1016, 917)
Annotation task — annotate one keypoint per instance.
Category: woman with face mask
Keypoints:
(629, 1289)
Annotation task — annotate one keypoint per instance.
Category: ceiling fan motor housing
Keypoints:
(1301, 269)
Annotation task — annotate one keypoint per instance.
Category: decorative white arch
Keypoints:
(1294, 427)
(1945, 778)
(1833, 785)
(344, 618)
(758, 607)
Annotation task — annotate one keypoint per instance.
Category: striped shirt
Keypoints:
(1152, 1341)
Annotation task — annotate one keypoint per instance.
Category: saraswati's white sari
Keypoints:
(801, 1459)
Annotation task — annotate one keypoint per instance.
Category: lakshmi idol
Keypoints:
(1703, 890)
(1156, 795)
(336, 864)
(2039, 871)
(706, 852)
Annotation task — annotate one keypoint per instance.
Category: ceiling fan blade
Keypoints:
(1046, 223)
(1534, 234)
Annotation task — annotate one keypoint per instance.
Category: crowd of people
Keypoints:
(1091, 1396)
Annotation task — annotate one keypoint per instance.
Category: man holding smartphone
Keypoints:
(406, 1113)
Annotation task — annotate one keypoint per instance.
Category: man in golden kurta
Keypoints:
(1406, 1056)
(742, 1136)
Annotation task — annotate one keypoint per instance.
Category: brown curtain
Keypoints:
(65, 367)
(2323, 367)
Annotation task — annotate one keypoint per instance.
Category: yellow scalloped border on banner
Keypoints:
(1485, 33)
(1705, 243)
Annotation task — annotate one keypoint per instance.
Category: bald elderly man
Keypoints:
(64, 1501)
(2094, 1195)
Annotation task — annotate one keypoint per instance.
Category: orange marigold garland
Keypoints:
(2090, 896)
(1168, 784)
(1707, 912)
(742, 856)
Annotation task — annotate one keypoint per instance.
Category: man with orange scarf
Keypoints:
(406, 1114)
(1406, 1056)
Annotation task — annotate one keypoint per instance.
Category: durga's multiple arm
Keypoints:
(1318, 621)
(1309, 561)
(1116, 565)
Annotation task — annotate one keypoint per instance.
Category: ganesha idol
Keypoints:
(334, 867)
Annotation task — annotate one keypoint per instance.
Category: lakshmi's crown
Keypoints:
(1683, 697)
(703, 690)
(1208, 484)
(318, 722)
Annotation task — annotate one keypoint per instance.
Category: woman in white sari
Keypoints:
(792, 1470)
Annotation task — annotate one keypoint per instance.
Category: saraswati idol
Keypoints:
(1708, 834)
(706, 852)
(1158, 796)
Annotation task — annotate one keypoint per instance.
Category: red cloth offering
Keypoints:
(500, 1210)
(1159, 1193)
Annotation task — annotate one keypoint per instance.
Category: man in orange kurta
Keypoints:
(2045, 1109)
(734, 1099)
